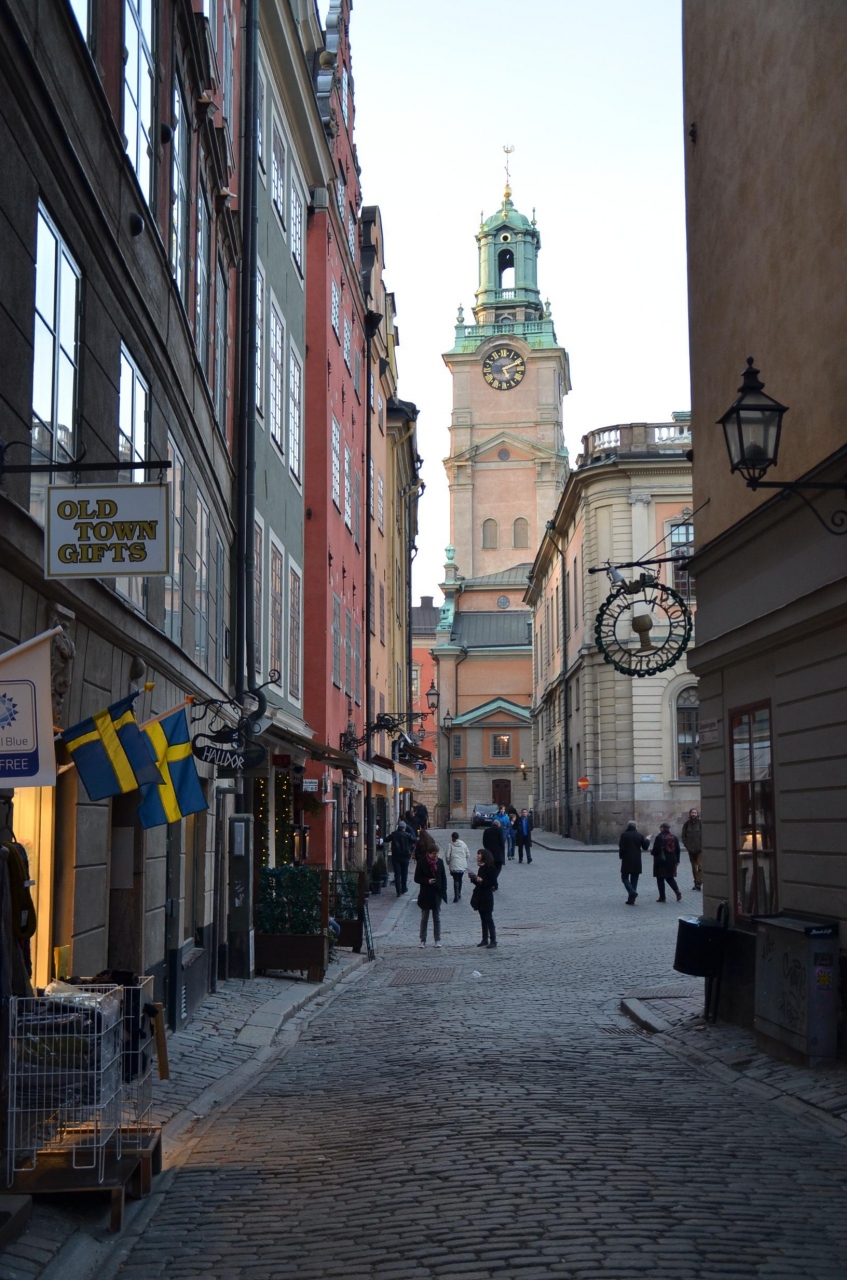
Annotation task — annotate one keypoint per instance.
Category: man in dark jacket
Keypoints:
(523, 836)
(421, 815)
(630, 846)
(494, 841)
(400, 842)
(666, 861)
(692, 838)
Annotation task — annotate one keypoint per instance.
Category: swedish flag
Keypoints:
(179, 791)
(110, 753)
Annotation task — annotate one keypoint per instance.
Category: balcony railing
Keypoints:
(636, 437)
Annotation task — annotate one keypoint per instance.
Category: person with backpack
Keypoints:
(482, 898)
(692, 838)
(456, 857)
(666, 861)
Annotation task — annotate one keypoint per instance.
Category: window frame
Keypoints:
(295, 632)
(202, 563)
(221, 346)
(335, 450)
(348, 487)
(279, 164)
(695, 745)
(457, 749)
(276, 382)
(173, 580)
(203, 279)
(258, 583)
(295, 413)
(500, 738)
(180, 189)
(296, 206)
(145, 63)
(487, 525)
(746, 917)
(132, 587)
(260, 341)
(524, 523)
(276, 610)
(336, 640)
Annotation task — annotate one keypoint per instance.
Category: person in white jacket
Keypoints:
(457, 857)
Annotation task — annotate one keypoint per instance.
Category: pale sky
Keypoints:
(589, 94)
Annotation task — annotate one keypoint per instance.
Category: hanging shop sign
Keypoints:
(229, 758)
(643, 627)
(27, 754)
(100, 531)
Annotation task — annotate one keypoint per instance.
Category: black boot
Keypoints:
(484, 943)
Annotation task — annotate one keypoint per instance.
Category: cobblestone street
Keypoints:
(431, 1123)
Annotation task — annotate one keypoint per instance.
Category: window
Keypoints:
(682, 545)
(260, 121)
(201, 585)
(341, 194)
(336, 464)
(357, 509)
(277, 580)
(351, 234)
(558, 619)
(520, 533)
(347, 336)
(138, 91)
(575, 594)
(204, 282)
(457, 790)
(687, 734)
(277, 354)
(297, 227)
(180, 167)
(221, 361)
(357, 372)
(295, 587)
(227, 71)
(55, 356)
(336, 641)
(260, 340)
(490, 539)
(82, 13)
(295, 409)
(133, 401)
(753, 812)
(501, 745)
(371, 603)
(380, 503)
(382, 613)
(220, 610)
(278, 172)
(416, 682)
(257, 592)
(398, 684)
(336, 308)
(398, 589)
(371, 489)
(348, 487)
(357, 667)
(457, 746)
(345, 95)
(348, 652)
(173, 582)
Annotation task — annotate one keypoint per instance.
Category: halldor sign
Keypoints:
(97, 531)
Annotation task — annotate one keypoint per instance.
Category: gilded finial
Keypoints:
(460, 317)
(507, 194)
(534, 223)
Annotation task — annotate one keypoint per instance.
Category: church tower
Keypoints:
(507, 460)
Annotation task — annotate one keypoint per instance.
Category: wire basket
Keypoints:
(65, 1069)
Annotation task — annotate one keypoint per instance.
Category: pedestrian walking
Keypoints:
(630, 847)
(524, 836)
(457, 856)
(422, 815)
(424, 844)
(502, 818)
(482, 898)
(692, 838)
(400, 843)
(432, 878)
(494, 841)
(666, 861)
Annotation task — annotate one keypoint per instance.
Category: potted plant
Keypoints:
(349, 910)
(379, 873)
(292, 920)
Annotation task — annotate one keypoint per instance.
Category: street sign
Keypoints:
(231, 759)
(309, 784)
(97, 531)
(583, 783)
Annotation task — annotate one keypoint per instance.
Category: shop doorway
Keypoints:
(501, 791)
(33, 823)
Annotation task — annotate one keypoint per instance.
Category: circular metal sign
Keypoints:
(643, 627)
(583, 783)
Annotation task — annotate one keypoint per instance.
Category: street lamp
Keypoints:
(752, 427)
(432, 696)
(522, 768)
(446, 726)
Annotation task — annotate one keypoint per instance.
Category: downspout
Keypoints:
(373, 320)
(566, 735)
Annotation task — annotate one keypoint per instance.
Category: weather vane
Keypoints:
(508, 151)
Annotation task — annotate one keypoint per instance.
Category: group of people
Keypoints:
(666, 855)
(509, 832)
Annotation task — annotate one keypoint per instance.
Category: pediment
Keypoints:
(496, 711)
(520, 450)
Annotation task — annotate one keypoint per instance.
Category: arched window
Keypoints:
(506, 268)
(520, 533)
(688, 733)
(490, 539)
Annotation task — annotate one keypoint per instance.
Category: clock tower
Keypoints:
(507, 462)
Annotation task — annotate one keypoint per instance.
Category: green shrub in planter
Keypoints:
(289, 900)
(347, 895)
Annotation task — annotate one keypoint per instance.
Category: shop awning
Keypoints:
(318, 750)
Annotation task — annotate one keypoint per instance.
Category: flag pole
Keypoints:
(163, 715)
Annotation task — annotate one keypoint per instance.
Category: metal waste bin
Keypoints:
(796, 1000)
(700, 942)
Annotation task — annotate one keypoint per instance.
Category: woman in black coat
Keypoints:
(482, 898)
(666, 861)
(630, 846)
(432, 878)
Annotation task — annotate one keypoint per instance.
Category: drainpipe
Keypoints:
(373, 319)
(566, 734)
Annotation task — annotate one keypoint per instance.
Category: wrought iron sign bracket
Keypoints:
(76, 466)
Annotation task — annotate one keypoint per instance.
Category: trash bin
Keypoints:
(796, 993)
(700, 942)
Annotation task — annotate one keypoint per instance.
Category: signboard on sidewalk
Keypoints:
(27, 754)
(106, 530)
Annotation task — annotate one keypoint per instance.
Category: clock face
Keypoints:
(503, 368)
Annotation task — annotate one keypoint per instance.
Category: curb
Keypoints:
(643, 1016)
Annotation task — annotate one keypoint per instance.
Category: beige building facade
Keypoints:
(633, 741)
(766, 196)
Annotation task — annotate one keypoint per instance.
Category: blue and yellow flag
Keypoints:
(110, 753)
(179, 791)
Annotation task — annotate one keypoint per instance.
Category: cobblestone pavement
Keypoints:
(511, 1124)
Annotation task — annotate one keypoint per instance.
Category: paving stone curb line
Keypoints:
(661, 1032)
(83, 1253)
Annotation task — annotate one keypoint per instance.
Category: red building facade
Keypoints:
(336, 493)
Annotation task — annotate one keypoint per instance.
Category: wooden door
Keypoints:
(501, 791)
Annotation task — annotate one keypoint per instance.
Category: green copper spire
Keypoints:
(508, 266)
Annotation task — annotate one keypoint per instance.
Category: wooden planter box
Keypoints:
(306, 952)
(352, 934)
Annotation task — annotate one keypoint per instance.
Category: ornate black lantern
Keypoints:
(752, 427)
